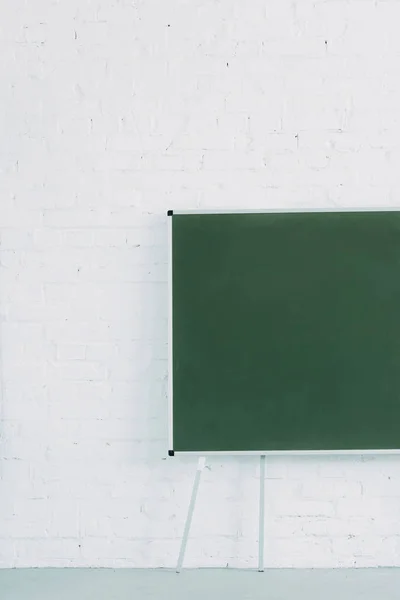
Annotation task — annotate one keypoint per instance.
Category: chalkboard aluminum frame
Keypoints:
(171, 450)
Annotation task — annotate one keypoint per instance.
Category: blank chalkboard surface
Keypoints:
(285, 331)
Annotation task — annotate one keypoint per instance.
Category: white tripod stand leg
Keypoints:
(262, 511)
(200, 467)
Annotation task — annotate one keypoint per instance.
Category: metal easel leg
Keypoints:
(200, 467)
(262, 511)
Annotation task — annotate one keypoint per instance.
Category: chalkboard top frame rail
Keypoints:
(172, 452)
(234, 211)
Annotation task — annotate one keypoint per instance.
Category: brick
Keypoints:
(225, 160)
(45, 238)
(30, 519)
(332, 528)
(112, 238)
(63, 218)
(91, 330)
(101, 351)
(25, 400)
(334, 488)
(7, 555)
(366, 550)
(98, 548)
(298, 551)
(78, 238)
(77, 371)
(32, 550)
(11, 216)
(20, 448)
(16, 238)
(312, 508)
(32, 371)
(64, 523)
(360, 507)
(71, 352)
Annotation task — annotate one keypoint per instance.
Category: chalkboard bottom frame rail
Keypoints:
(282, 452)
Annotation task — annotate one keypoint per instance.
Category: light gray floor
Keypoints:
(199, 584)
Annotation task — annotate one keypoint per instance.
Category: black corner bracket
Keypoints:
(170, 213)
(171, 453)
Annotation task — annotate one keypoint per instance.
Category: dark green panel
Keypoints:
(286, 331)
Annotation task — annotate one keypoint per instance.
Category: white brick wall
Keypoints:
(112, 112)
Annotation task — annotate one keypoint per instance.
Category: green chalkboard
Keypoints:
(285, 331)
